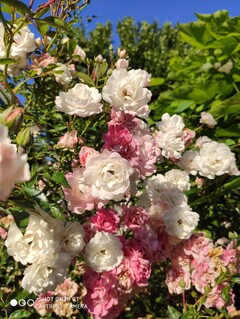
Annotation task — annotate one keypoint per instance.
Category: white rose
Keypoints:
(180, 222)
(122, 64)
(216, 159)
(171, 145)
(24, 42)
(171, 124)
(62, 74)
(80, 100)
(72, 240)
(103, 252)
(207, 118)
(126, 91)
(17, 246)
(178, 178)
(13, 167)
(188, 162)
(44, 274)
(79, 51)
(108, 175)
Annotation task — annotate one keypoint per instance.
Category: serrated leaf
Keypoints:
(19, 314)
(229, 106)
(7, 61)
(85, 78)
(18, 5)
(173, 313)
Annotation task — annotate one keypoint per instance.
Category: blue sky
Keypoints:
(162, 10)
(149, 10)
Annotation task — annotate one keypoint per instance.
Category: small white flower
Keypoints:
(103, 252)
(180, 222)
(13, 167)
(171, 124)
(81, 100)
(108, 175)
(79, 51)
(216, 159)
(178, 178)
(72, 240)
(62, 74)
(126, 91)
(188, 162)
(207, 118)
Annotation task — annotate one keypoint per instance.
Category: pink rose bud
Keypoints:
(12, 118)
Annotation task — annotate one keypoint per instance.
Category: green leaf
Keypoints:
(156, 81)
(231, 131)
(229, 106)
(37, 196)
(101, 69)
(56, 22)
(236, 280)
(184, 105)
(21, 218)
(42, 26)
(225, 294)
(19, 314)
(59, 178)
(173, 313)
(85, 78)
(233, 184)
(196, 34)
(18, 5)
(7, 61)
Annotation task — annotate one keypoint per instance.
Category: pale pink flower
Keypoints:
(68, 140)
(106, 220)
(44, 303)
(121, 53)
(178, 279)
(13, 167)
(197, 245)
(3, 233)
(207, 118)
(214, 297)
(125, 276)
(122, 64)
(40, 62)
(79, 51)
(67, 289)
(229, 254)
(86, 153)
(78, 196)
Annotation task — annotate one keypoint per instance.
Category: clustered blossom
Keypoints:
(23, 43)
(165, 202)
(135, 216)
(47, 246)
(213, 159)
(197, 262)
(13, 166)
(172, 137)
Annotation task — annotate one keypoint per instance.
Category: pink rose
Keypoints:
(106, 220)
(86, 153)
(68, 140)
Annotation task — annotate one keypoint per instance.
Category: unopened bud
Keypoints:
(12, 118)
(25, 137)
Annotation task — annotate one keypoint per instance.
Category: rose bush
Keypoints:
(100, 197)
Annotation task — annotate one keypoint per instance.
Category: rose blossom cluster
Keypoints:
(197, 263)
(211, 160)
(133, 215)
(23, 43)
(47, 247)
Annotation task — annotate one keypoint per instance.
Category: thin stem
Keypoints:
(184, 301)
